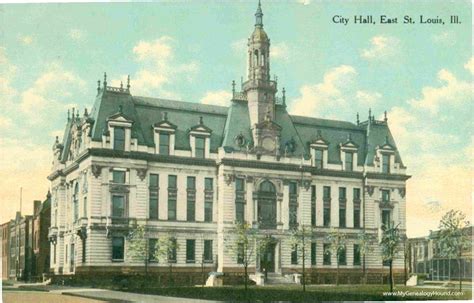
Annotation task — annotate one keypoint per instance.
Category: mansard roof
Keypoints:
(228, 125)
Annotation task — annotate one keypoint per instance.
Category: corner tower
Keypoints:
(259, 89)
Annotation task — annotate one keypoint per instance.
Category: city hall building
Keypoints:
(191, 171)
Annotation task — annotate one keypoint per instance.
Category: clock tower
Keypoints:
(260, 90)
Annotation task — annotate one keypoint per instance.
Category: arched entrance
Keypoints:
(267, 210)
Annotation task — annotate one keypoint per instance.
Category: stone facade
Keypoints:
(5, 234)
(191, 171)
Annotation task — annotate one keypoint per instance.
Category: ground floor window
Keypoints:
(118, 245)
(294, 255)
(190, 251)
(356, 254)
(208, 251)
(313, 253)
(326, 254)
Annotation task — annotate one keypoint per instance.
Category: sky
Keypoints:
(51, 56)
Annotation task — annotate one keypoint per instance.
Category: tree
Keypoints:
(138, 246)
(167, 248)
(337, 241)
(390, 240)
(453, 237)
(299, 240)
(365, 241)
(242, 242)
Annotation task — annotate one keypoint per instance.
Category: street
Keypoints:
(41, 296)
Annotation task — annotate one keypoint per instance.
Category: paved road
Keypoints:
(42, 297)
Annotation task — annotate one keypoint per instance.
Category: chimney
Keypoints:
(36, 206)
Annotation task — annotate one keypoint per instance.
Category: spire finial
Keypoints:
(259, 16)
(68, 115)
(105, 80)
(85, 112)
(73, 110)
(233, 87)
(128, 82)
(358, 118)
(200, 120)
(98, 86)
(165, 116)
(57, 140)
(283, 97)
(121, 85)
(370, 114)
(385, 116)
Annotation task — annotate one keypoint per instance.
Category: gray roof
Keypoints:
(227, 123)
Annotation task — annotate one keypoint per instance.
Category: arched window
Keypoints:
(263, 60)
(256, 57)
(75, 201)
(267, 186)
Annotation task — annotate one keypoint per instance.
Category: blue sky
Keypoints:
(51, 56)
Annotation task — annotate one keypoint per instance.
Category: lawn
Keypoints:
(294, 293)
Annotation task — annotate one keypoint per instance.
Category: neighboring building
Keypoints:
(192, 170)
(425, 258)
(20, 247)
(40, 244)
(5, 234)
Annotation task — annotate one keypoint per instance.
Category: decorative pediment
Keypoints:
(386, 146)
(119, 117)
(164, 123)
(319, 141)
(349, 144)
(268, 124)
(201, 127)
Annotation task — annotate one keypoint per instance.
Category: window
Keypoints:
(386, 163)
(164, 144)
(356, 207)
(385, 195)
(119, 138)
(313, 205)
(342, 207)
(327, 206)
(118, 248)
(190, 251)
(208, 199)
(191, 199)
(348, 161)
(293, 214)
(240, 253)
(118, 176)
(208, 251)
(172, 251)
(356, 254)
(152, 247)
(84, 205)
(84, 240)
(75, 201)
(153, 202)
(313, 253)
(342, 257)
(327, 254)
(118, 206)
(239, 200)
(294, 255)
(386, 217)
(200, 147)
(72, 257)
(172, 189)
(318, 159)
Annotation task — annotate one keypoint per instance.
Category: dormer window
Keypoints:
(119, 138)
(349, 159)
(200, 140)
(348, 153)
(318, 158)
(385, 159)
(164, 136)
(386, 163)
(319, 151)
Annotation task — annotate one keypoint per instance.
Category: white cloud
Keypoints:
(452, 91)
(26, 40)
(280, 51)
(239, 46)
(77, 34)
(332, 92)
(49, 93)
(381, 47)
(220, 97)
(446, 38)
(368, 98)
(304, 2)
(470, 65)
(160, 68)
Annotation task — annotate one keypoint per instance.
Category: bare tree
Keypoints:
(337, 241)
(390, 241)
(453, 237)
(300, 238)
(364, 241)
(167, 248)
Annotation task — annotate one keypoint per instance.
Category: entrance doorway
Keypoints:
(267, 259)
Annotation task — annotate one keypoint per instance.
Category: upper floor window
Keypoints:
(318, 159)
(118, 206)
(208, 199)
(385, 195)
(239, 199)
(75, 202)
(191, 199)
(118, 176)
(172, 195)
(153, 201)
(356, 207)
(326, 206)
(164, 143)
(119, 138)
(386, 163)
(200, 147)
(349, 159)
(313, 205)
(386, 217)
